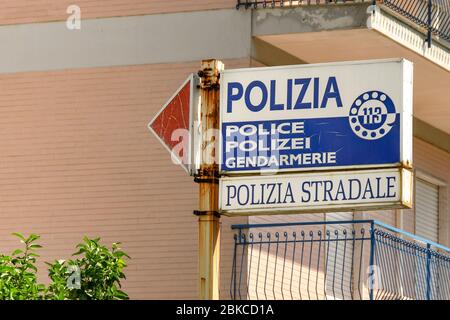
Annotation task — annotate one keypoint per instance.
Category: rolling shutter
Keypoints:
(427, 210)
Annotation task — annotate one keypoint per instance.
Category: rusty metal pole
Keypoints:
(208, 179)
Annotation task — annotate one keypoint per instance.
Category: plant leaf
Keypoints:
(16, 252)
(20, 236)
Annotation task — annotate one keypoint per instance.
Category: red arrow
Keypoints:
(172, 123)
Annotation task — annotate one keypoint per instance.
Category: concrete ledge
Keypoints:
(430, 134)
(308, 18)
(271, 55)
(391, 26)
(158, 38)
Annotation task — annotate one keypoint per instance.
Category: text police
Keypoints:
(236, 92)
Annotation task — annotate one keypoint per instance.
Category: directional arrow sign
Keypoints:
(173, 124)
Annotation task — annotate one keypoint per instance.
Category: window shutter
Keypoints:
(427, 210)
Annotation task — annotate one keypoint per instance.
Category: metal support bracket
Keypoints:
(206, 180)
(206, 213)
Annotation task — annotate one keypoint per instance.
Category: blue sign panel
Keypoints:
(316, 117)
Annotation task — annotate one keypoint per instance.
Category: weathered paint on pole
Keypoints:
(207, 178)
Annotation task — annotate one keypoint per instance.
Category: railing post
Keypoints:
(372, 258)
(429, 22)
(428, 293)
(234, 268)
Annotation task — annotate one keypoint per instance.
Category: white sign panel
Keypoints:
(316, 192)
(316, 116)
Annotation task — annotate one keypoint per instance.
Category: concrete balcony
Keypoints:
(315, 33)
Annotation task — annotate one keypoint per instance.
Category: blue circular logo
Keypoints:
(372, 115)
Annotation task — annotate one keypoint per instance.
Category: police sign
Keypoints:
(313, 192)
(317, 116)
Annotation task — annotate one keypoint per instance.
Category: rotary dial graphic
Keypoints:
(372, 115)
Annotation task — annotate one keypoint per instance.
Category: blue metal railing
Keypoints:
(432, 15)
(361, 259)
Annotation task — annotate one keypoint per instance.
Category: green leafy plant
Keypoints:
(95, 275)
(18, 280)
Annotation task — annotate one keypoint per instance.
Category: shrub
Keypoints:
(18, 279)
(94, 275)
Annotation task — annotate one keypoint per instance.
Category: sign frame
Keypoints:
(405, 113)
